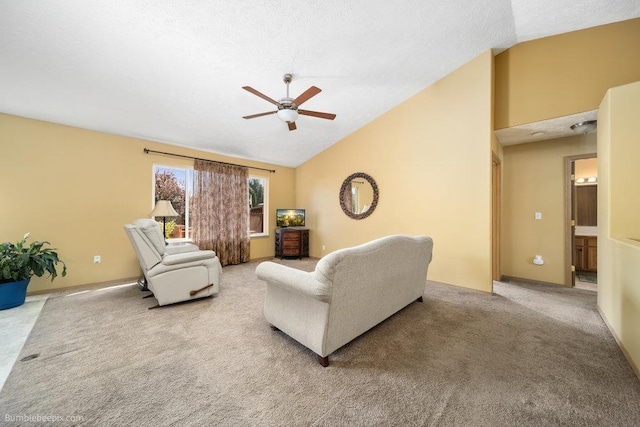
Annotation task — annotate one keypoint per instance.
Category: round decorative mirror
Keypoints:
(358, 195)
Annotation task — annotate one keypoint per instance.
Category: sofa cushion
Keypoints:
(152, 231)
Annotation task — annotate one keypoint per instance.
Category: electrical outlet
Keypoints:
(324, 247)
(538, 215)
(96, 259)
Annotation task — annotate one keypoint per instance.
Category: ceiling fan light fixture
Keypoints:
(288, 107)
(287, 115)
(585, 127)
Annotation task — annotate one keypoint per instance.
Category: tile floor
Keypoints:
(15, 325)
(585, 285)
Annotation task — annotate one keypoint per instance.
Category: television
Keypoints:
(290, 217)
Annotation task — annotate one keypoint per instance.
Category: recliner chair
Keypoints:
(173, 273)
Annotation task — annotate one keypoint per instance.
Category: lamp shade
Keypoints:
(287, 115)
(163, 208)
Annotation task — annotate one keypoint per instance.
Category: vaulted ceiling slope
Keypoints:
(173, 71)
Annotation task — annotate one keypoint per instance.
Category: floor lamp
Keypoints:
(164, 209)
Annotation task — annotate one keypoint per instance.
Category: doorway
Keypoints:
(582, 227)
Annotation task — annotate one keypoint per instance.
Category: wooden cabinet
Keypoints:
(580, 254)
(586, 257)
(292, 242)
(592, 254)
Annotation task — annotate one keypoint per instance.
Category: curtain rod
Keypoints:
(147, 151)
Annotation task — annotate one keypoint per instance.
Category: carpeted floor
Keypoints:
(530, 355)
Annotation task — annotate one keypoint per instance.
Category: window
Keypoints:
(176, 185)
(258, 209)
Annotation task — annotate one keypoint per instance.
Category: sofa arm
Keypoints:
(293, 280)
(187, 257)
(180, 248)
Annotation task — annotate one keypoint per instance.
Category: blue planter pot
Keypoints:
(12, 294)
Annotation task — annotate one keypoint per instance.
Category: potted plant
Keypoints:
(18, 263)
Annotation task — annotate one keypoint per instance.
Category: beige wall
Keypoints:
(624, 173)
(76, 188)
(433, 173)
(618, 207)
(565, 74)
(533, 181)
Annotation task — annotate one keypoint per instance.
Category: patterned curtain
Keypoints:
(220, 210)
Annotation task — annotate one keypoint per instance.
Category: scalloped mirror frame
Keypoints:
(347, 183)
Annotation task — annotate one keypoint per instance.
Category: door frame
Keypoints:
(569, 213)
(496, 194)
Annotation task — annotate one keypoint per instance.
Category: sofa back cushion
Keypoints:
(152, 231)
(147, 255)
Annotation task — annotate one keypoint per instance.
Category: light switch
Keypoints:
(538, 215)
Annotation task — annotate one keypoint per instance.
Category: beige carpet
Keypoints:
(530, 355)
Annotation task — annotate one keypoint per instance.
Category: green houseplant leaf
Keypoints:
(19, 261)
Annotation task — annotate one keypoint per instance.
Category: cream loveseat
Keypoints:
(350, 291)
(173, 273)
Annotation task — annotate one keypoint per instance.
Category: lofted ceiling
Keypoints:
(172, 71)
(558, 127)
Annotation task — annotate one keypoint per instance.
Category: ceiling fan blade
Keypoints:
(318, 114)
(312, 91)
(253, 116)
(292, 125)
(261, 95)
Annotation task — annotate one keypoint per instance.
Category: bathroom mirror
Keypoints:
(358, 195)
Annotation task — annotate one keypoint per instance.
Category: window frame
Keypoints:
(265, 206)
(188, 190)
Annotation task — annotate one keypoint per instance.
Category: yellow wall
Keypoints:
(618, 201)
(533, 181)
(624, 174)
(433, 173)
(77, 188)
(565, 74)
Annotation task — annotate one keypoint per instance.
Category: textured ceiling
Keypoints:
(172, 71)
(559, 127)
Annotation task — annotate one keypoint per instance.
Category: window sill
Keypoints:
(252, 235)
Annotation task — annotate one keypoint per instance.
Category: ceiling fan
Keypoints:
(288, 107)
